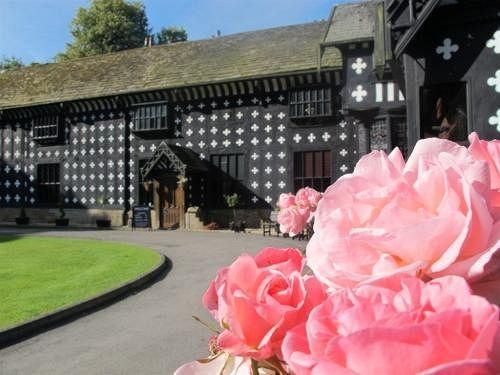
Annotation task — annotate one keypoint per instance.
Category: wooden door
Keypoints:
(171, 194)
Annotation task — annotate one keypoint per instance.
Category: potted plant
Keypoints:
(232, 202)
(22, 219)
(102, 222)
(62, 221)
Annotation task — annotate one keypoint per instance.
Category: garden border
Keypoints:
(31, 327)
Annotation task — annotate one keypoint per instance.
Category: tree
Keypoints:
(168, 35)
(10, 63)
(106, 26)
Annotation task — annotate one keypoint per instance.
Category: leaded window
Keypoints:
(227, 179)
(149, 117)
(312, 169)
(46, 128)
(379, 135)
(48, 183)
(311, 102)
(231, 164)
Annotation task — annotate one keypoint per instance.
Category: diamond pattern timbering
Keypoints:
(100, 158)
(447, 49)
(259, 128)
(94, 160)
(17, 174)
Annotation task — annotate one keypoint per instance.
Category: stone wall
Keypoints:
(77, 217)
(196, 218)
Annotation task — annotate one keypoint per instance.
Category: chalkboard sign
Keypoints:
(141, 217)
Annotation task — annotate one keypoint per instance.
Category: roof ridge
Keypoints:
(158, 46)
(249, 55)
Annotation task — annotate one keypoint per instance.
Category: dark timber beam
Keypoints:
(405, 40)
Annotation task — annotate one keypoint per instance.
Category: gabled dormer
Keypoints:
(368, 82)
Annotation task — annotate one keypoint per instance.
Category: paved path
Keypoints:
(151, 332)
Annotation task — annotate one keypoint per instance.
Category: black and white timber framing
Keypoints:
(105, 163)
(445, 48)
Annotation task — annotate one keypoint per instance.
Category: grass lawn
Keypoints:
(41, 274)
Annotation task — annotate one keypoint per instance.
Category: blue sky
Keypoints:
(36, 30)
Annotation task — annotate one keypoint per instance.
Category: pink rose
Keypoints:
(297, 211)
(220, 364)
(429, 217)
(398, 325)
(489, 152)
(286, 200)
(223, 363)
(293, 219)
(258, 299)
(307, 197)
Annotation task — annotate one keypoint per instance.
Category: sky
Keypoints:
(36, 30)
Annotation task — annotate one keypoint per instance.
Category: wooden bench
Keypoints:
(306, 233)
(270, 224)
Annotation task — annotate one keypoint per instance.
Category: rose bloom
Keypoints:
(398, 325)
(222, 364)
(307, 197)
(489, 152)
(286, 200)
(429, 217)
(293, 219)
(258, 299)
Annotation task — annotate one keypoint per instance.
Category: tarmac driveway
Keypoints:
(151, 332)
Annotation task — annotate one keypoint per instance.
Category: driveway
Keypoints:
(151, 332)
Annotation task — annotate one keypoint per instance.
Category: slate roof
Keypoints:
(249, 55)
(352, 23)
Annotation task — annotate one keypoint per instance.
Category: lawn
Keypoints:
(41, 274)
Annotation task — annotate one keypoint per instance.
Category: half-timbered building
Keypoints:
(373, 103)
(257, 113)
(173, 126)
(446, 53)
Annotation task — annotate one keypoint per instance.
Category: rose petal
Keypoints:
(223, 364)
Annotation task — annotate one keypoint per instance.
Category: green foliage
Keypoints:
(106, 26)
(232, 200)
(42, 274)
(10, 63)
(169, 35)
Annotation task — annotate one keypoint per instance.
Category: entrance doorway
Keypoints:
(170, 201)
(163, 178)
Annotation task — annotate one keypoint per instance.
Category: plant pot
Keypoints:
(237, 226)
(103, 223)
(62, 222)
(22, 220)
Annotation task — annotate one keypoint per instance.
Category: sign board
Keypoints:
(141, 217)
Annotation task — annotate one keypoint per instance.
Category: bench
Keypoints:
(306, 233)
(270, 224)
